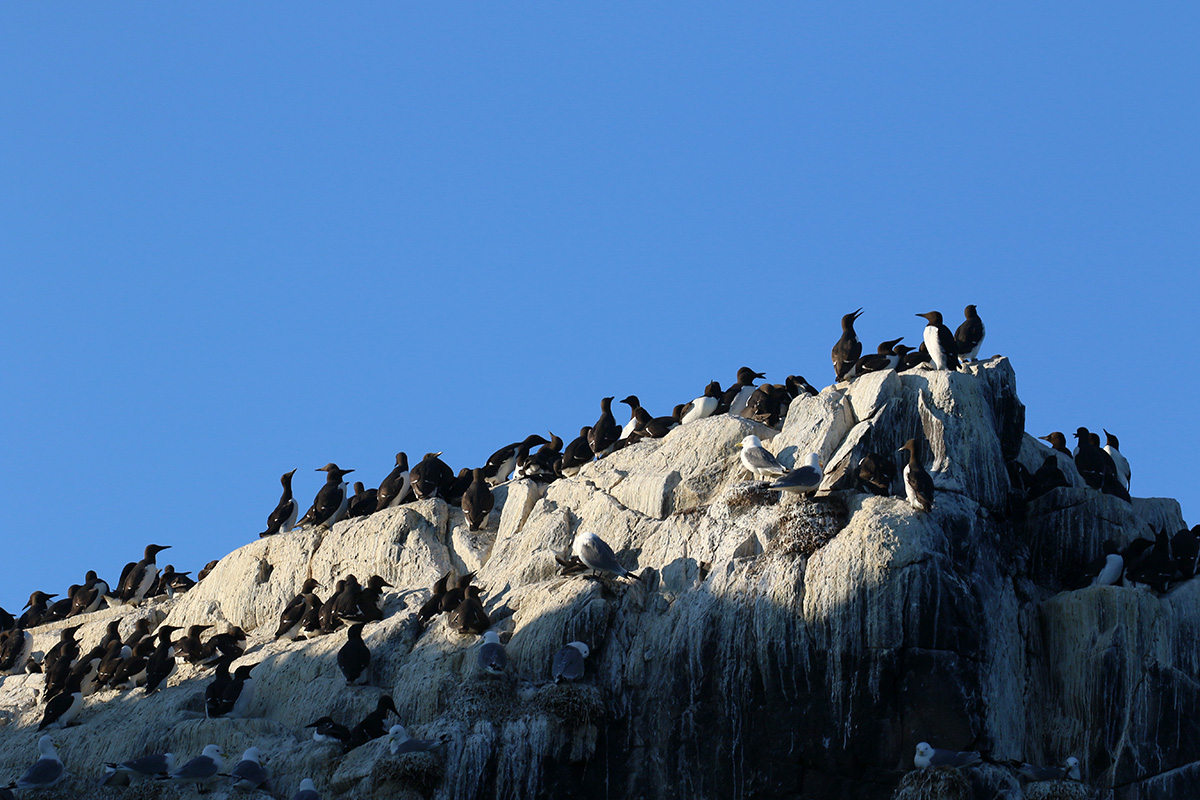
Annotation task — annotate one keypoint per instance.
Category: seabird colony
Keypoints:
(146, 659)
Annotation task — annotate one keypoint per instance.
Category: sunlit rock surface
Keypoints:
(771, 648)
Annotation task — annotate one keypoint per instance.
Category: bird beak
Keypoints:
(438, 453)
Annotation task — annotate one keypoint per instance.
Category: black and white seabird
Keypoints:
(88, 598)
(354, 657)
(634, 404)
(138, 577)
(364, 502)
(1096, 467)
(875, 474)
(458, 487)
(37, 606)
(928, 756)
(576, 454)
(231, 643)
(595, 553)
(239, 694)
(567, 664)
(735, 397)
(492, 656)
(291, 619)
(469, 616)
(454, 596)
(803, 480)
(64, 706)
(331, 501)
(431, 477)
(848, 349)
(543, 465)
(885, 357)
(703, 406)
(433, 606)
(477, 500)
(345, 602)
(1058, 442)
(189, 647)
(604, 433)
(368, 599)
(15, 651)
(372, 726)
(396, 486)
(757, 460)
(283, 518)
(939, 342)
(326, 731)
(248, 774)
(501, 463)
(1047, 478)
(1112, 447)
(648, 427)
(161, 663)
(918, 485)
(969, 335)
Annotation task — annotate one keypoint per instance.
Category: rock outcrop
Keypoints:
(771, 648)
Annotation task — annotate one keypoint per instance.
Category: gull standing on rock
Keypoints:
(248, 774)
(758, 461)
(46, 771)
(201, 770)
(567, 664)
(399, 742)
(804, 480)
(307, 791)
(595, 553)
(928, 756)
(492, 656)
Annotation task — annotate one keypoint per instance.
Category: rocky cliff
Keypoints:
(772, 647)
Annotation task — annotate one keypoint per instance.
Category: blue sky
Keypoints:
(240, 240)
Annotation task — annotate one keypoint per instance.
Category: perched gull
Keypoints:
(400, 742)
(928, 756)
(157, 765)
(804, 480)
(1114, 567)
(568, 662)
(202, 769)
(755, 458)
(307, 791)
(492, 657)
(248, 774)
(595, 553)
(46, 771)
(1033, 772)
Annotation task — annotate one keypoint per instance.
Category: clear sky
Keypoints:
(239, 239)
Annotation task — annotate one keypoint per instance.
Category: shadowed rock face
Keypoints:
(773, 647)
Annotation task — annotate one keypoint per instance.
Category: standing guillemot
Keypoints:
(939, 341)
(284, 516)
(329, 506)
(848, 349)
